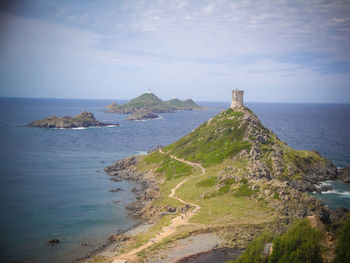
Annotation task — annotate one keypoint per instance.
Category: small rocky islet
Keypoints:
(237, 181)
(82, 120)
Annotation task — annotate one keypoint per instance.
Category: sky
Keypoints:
(274, 50)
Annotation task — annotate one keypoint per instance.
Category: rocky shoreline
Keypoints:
(125, 169)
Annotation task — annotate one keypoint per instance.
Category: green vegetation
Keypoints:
(303, 159)
(183, 104)
(276, 196)
(254, 251)
(244, 190)
(211, 181)
(151, 103)
(168, 166)
(342, 250)
(174, 169)
(212, 143)
(301, 243)
(222, 190)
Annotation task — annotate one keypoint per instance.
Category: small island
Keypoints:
(142, 114)
(84, 119)
(148, 104)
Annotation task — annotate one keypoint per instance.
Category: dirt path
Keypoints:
(170, 229)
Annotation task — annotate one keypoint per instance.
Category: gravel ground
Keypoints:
(185, 247)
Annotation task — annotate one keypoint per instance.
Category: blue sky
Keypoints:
(277, 51)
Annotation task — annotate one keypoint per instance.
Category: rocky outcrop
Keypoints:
(84, 119)
(142, 115)
(344, 175)
(126, 169)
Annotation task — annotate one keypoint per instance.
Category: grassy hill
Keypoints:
(151, 103)
(183, 104)
(241, 176)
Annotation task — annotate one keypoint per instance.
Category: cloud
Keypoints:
(191, 44)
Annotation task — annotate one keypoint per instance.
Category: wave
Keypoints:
(345, 194)
(141, 152)
(161, 118)
(326, 183)
(91, 127)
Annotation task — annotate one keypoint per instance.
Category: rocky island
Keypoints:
(142, 114)
(230, 184)
(84, 119)
(147, 105)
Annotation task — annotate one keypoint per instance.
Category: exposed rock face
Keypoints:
(126, 169)
(84, 119)
(344, 175)
(142, 115)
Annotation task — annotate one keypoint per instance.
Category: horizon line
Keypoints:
(228, 101)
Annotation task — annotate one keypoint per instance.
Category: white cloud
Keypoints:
(191, 44)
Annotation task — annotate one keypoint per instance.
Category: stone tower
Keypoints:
(237, 99)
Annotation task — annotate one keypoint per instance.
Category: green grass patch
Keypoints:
(155, 157)
(303, 159)
(244, 190)
(276, 196)
(174, 169)
(211, 181)
(222, 190)
(213, 143)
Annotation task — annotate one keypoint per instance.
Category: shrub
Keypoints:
(253, 253)
(342, 251)
(301, 243)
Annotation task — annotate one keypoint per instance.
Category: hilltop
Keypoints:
(183, 104)
(150, 103)
(228, 180)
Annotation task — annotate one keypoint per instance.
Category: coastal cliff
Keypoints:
(84, 119)
(231, 178)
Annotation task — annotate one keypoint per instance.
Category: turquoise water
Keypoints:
(52, 181)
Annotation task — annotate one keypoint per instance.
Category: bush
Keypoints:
(342, 252)
(253, 253)
(301, 243)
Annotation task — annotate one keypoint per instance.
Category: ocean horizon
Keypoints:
(53, 184)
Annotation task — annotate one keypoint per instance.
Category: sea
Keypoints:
(52, 182)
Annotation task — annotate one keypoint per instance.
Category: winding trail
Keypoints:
(180, 220)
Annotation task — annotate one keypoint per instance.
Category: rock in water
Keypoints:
(53, 242)
(84, 119)
(142, 115)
